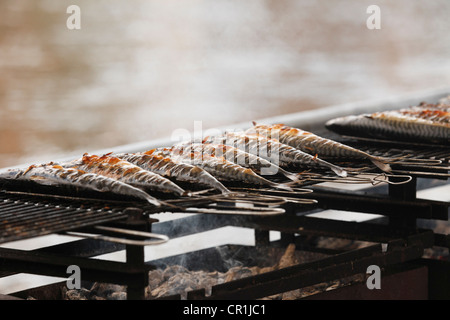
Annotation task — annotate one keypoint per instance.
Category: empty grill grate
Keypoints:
(25, 216)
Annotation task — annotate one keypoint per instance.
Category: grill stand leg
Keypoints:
(137, 282)
(406, 191)
(135, 256)
(262, 238)
(287, 238)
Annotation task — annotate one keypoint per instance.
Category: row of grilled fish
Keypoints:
(247, 157)
(424, 123)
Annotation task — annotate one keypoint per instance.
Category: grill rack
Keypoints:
(402, 236)
(25, 216)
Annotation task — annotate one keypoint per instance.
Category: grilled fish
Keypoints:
(443, 104)
(220, 167)
(126, 172)
(425, 125)
(238, 156)
(274, 150)
(56, 175)
(315, 145)
(169, 168)
(427, 113)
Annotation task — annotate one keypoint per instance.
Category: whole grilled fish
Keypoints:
(426, 126)
(315, 145)
(179, 171)
(56, 175)
(238, 156)
(127, 172)
(220, 167)
(274, 150)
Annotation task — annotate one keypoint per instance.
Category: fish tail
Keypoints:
(224, 190)
(168, 205)
(187, 194)
(381, 163)
(152, 200)
(284, 186)
(294, 177)
(339, 171)
(287, 186)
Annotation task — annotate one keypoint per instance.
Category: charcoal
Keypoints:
(176, 279)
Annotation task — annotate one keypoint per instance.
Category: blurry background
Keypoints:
(139, 69)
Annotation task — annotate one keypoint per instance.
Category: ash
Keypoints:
(179, 280)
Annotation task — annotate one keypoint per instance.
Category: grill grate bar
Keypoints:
(39, 211)
(39, 229)
(25, 217)
(43, 217)
(24, 209)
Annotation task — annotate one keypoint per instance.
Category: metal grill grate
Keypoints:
(25, 216)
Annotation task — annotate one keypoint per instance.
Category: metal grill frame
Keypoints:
(405, 243)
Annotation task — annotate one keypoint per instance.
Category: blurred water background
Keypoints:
(137, 70)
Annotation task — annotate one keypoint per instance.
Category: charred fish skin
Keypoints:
(220, 167)
(168, 167)
(314, 144)
(432, 114)
(240, 157)
(55, 175)
(400, 125)
(127, 172)
(354, 126)
(271, 149)
(443, 105)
